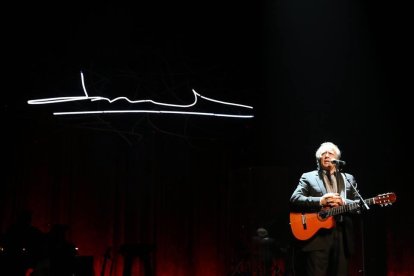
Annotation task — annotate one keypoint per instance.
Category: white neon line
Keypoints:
(152, 111)
(228, 103)
(99, 98)
(83, 84)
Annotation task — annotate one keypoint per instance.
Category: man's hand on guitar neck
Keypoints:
(331, 200)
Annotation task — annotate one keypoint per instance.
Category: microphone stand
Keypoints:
(363, 206)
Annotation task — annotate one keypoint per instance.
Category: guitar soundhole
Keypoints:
(323, 214)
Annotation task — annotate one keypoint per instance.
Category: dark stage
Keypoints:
(186, 191)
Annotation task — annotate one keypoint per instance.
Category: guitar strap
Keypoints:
(341, 191)
(341, 185)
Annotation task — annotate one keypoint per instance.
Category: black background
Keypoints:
(313, 71)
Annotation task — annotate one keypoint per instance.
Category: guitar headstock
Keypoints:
(385, 199)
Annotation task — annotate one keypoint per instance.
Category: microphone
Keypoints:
(338, 162)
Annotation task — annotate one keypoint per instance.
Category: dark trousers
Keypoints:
(329, 261)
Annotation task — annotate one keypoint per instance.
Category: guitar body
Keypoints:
(305, 225)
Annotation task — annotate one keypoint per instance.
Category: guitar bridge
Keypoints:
(304, 221)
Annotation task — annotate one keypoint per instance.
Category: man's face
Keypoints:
(326, 158)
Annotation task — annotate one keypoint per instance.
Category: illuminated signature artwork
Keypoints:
(179, 109)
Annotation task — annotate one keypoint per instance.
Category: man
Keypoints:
(328, 250)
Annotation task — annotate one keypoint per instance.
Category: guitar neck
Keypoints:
(382, 199)
(344, 208)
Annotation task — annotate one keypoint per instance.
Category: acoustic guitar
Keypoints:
(305, 225)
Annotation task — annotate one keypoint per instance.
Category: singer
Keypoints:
(328, 251)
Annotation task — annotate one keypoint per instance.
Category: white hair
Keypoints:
(324, 147)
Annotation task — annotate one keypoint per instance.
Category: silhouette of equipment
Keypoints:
(141, 251)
